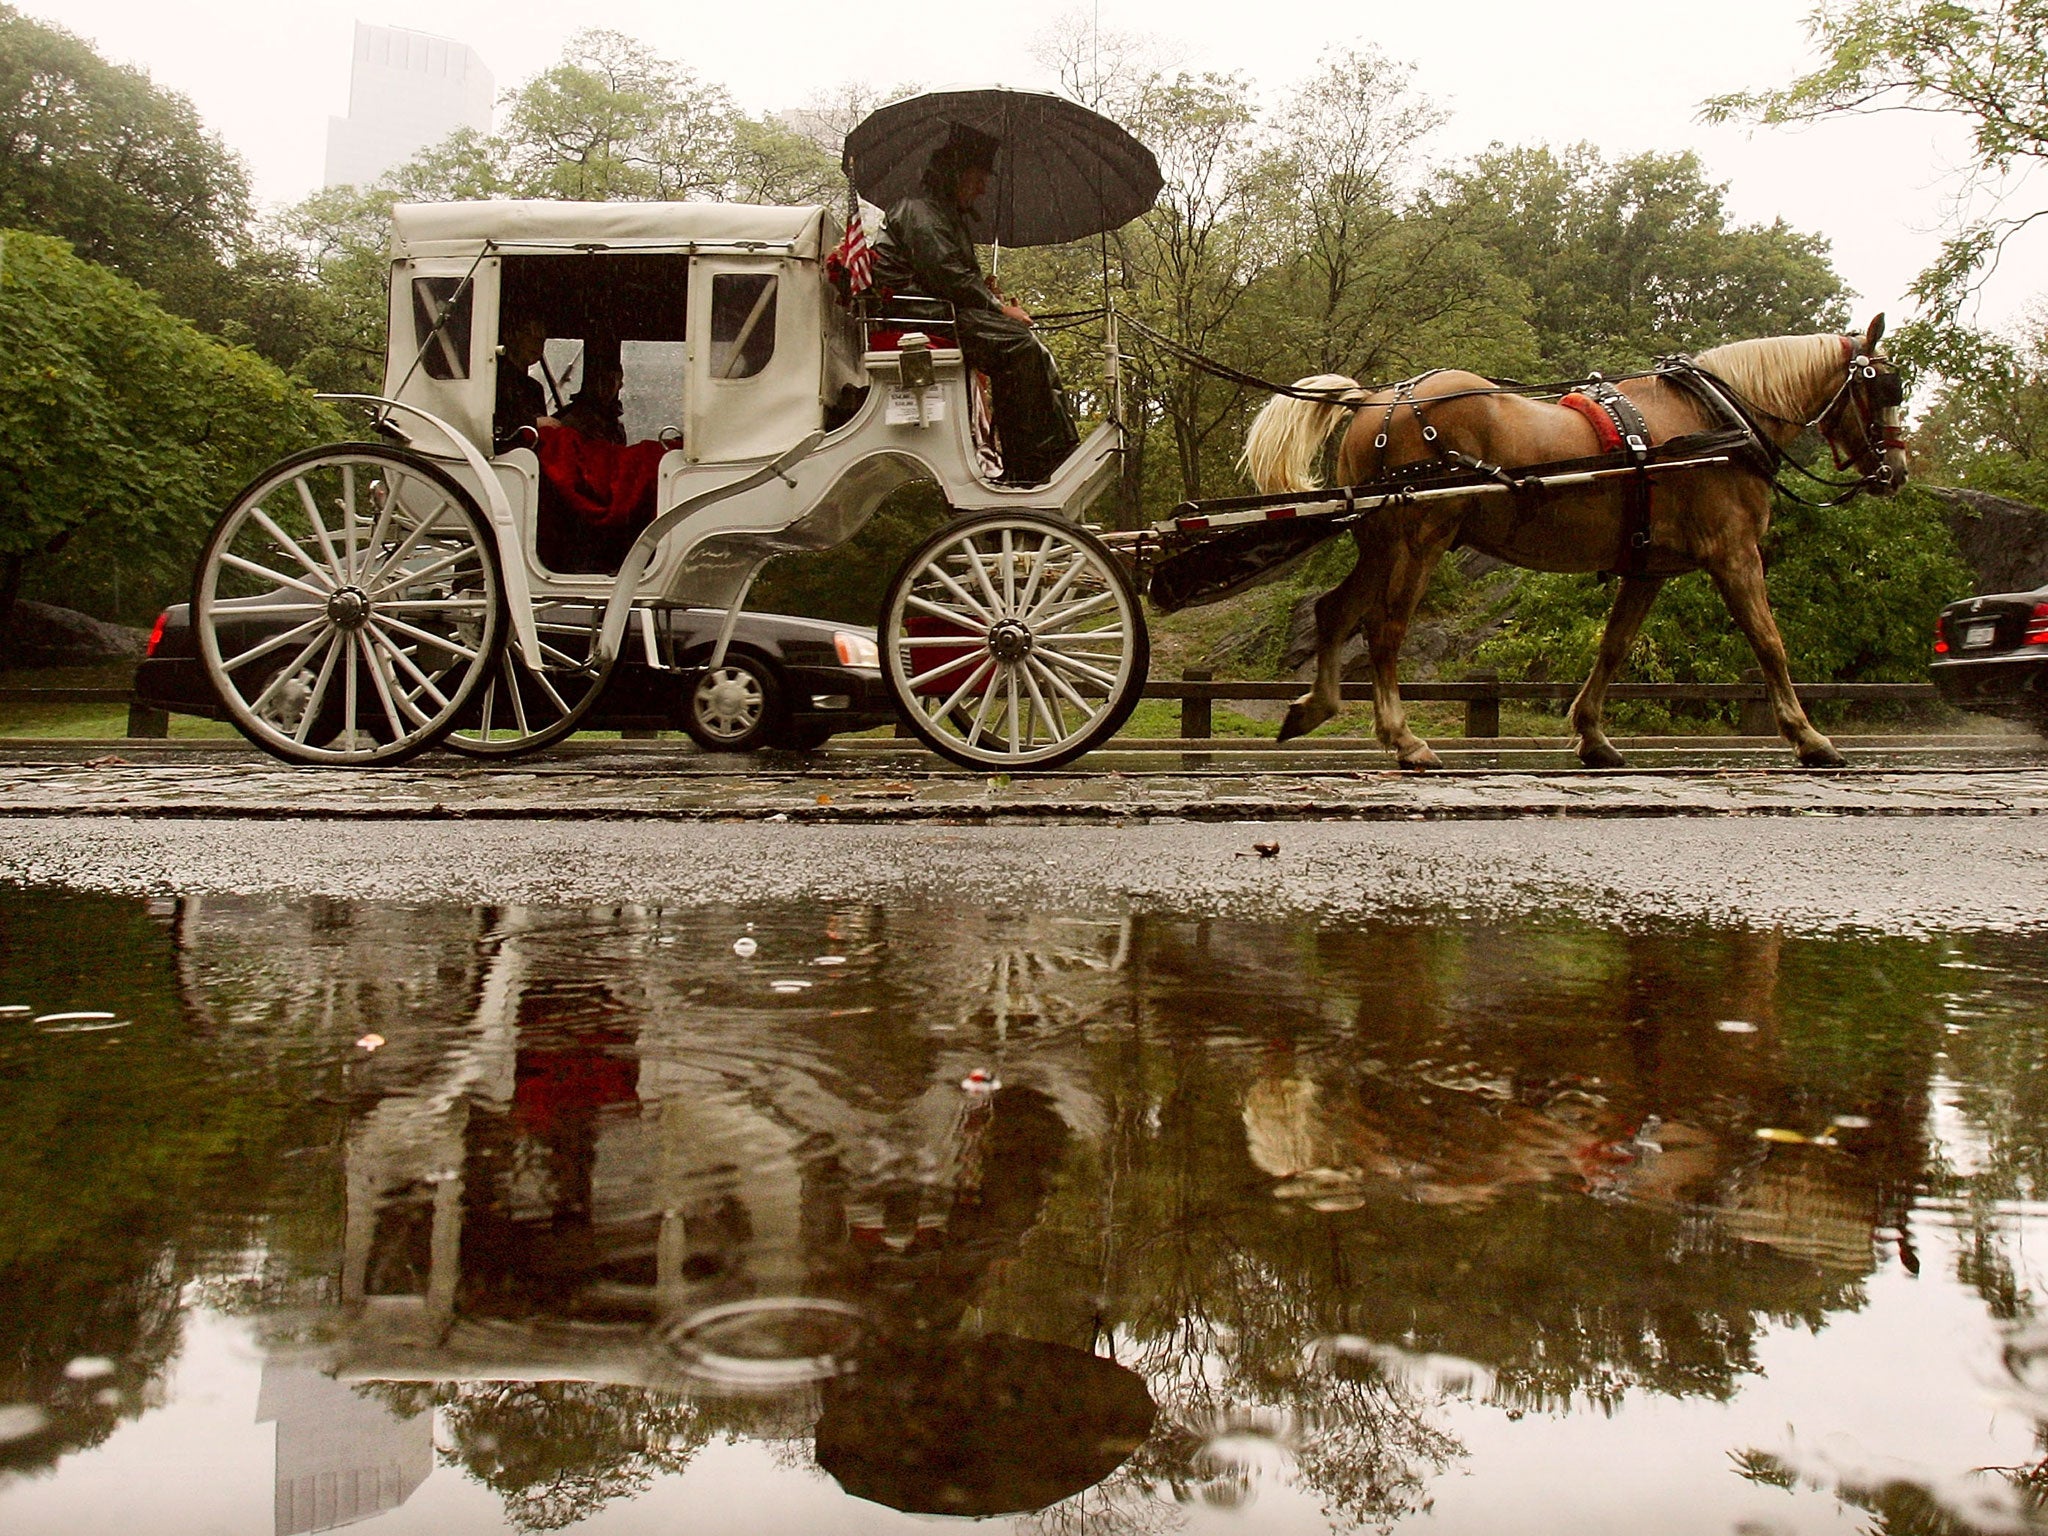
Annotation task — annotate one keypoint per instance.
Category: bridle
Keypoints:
(1870, 387)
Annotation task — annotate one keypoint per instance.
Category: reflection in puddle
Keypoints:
(518, 1215)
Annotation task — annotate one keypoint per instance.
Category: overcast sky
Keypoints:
(267, 75)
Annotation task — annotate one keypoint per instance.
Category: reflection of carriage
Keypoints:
(361, 602)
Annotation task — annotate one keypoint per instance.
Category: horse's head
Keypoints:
(1861, 422)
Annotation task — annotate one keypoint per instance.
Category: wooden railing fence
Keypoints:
(1481, 693)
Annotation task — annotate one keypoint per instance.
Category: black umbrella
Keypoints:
(980, 1427)
(1062, 172)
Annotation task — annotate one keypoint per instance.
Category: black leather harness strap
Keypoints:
(1635, 493)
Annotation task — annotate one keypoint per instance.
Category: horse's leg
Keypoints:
(1414, 557)
(1337, 614)
(1739, 576)
(1631, 606)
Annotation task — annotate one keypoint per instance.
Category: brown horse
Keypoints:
(1713, 519)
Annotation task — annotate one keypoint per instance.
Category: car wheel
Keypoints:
(736, 707)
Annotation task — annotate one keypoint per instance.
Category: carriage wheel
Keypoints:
(521, 708)
(1014, 640)
(348, 604)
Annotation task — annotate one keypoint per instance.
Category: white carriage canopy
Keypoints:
(768, 357)
(464, 229)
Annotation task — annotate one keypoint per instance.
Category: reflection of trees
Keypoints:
(557, 1452)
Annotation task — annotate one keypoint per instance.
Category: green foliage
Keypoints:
(1625, 260)
(94, 152)
(1855, 589)
(125, 429)
(1982, 61)
(1987, 426)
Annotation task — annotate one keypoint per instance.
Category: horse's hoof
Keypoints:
(1296, 723)
(1822, 756)
(1600, 754)
(1419, 759)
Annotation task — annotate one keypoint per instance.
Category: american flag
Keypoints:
(851, 264)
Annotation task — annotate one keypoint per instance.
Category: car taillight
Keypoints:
(156, 636)
(1940, 635)
(856, 650)
(2037, 625)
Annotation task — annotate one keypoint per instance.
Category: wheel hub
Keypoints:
(1009, 641)
(348, 608)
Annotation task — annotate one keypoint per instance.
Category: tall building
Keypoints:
(408, 90)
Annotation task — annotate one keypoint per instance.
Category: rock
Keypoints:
(2004, 541)
(44, 635)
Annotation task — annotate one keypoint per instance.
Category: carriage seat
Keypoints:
(886, 318)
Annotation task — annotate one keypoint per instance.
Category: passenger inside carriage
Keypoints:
(927, 247)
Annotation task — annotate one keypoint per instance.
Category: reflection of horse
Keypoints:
(1713, 519)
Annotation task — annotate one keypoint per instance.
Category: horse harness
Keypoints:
(1622, 430)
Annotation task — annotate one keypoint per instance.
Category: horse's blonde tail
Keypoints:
(1287, 436)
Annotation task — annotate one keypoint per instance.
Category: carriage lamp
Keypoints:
(914, 364)
(856, 650)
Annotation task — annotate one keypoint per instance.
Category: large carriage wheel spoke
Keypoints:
(971, 605)
(378, 583)
(924, 680)
(966, 687)
(1058, 589)
(392, 711)
(1009, 574)
(348, 521)
(1080, 637)
(1031, 584)
(318, 696)
(979, 563)
(290, 545)
(1015, 744)
(434, 605)
(265, 573)
(379, 588)
(988, 698)
(926, 642)
(1105, 679)
(974, 618)
(1068, 616)
(392, 658)
(276, 642)
(1041, 710)
(425, 637)
(382, 527)
(311, 503)
(351, 698)
(243, 610)
(285, 675)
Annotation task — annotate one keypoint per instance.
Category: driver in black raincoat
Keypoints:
(927, 247)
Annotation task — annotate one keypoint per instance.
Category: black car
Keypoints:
(786, 682)
(1991, 655)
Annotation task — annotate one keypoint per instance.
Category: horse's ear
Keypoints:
(1874, 336)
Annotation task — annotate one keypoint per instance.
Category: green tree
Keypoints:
(1984, 62)
(124, 429)
(123, 169)
(1630, 258)
(1987, 425)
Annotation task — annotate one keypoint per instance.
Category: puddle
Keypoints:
(515, 1218)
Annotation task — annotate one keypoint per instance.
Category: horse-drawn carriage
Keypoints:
(361, 602)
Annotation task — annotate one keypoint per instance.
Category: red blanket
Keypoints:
(607, 486)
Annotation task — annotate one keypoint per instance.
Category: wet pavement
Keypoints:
(886, 782)
(729, 1214)
(627, 1143)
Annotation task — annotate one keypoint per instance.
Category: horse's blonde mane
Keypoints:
(1789, 376)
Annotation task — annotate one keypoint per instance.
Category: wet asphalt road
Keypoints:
(1913, 838)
